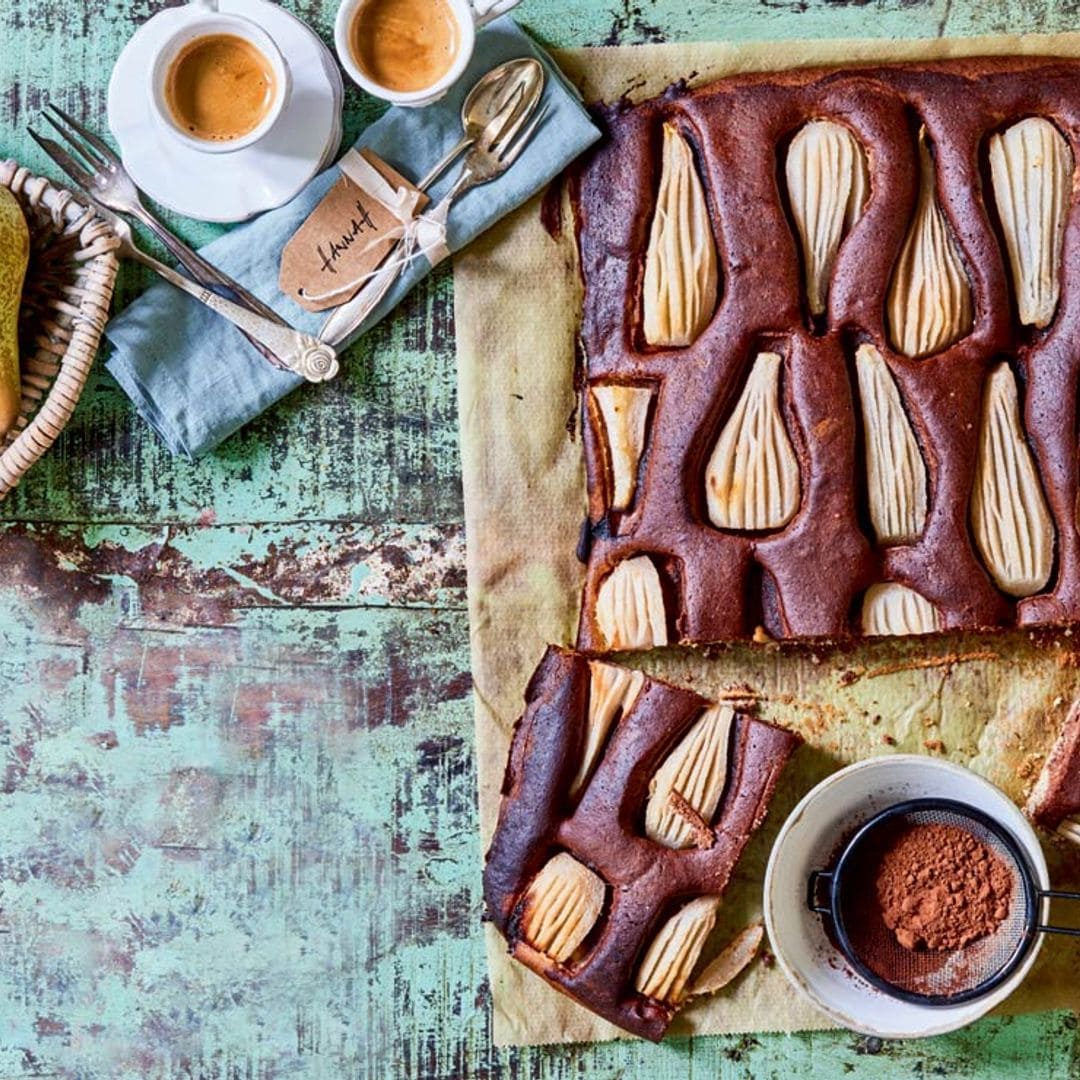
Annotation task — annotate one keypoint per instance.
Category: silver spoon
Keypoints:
(483, 103)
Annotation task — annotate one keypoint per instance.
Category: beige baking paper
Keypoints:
(993, 703)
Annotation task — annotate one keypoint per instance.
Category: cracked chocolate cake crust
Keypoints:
(991, 406)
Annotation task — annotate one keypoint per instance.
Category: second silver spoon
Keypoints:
(483, 103)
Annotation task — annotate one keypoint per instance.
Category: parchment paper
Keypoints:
(993, 703)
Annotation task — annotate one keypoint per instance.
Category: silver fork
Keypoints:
(289, 349)
(101, 177)
(109, 183)
(483, 163)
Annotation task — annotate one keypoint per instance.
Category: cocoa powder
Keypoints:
(940, 888)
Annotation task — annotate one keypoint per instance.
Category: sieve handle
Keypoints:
(812, 886)
(1057, 894)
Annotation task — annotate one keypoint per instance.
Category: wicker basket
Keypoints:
(65, 306)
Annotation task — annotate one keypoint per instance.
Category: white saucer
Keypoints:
(230, 187)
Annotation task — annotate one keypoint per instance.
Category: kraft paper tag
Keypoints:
(348, 234)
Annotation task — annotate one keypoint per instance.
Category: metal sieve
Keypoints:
(929, 977)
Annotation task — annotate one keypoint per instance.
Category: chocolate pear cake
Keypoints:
(625, 806)
(830, 382)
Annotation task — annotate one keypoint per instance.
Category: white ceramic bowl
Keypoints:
(812, 836)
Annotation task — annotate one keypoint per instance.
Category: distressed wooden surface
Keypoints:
(237, 808)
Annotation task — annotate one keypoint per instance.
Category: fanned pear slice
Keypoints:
(828, 183)
(1009, 516)
(612, 692)
(1031, 168)
(681, 275)
(561, 906)
(895, 471)
(929, 303)
(893, 610)
(752, 479)
(623, 411)
(730, 962)
(674, 952)
(630, 606)
(686, 790)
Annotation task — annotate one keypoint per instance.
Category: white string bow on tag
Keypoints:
(420, 234)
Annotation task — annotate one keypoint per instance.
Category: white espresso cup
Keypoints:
(470, 16)
(198, 19)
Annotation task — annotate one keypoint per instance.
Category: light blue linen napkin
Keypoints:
(194, 378)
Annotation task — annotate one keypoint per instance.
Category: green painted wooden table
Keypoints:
(237, 807)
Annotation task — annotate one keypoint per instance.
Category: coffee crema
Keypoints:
(405, 45)
(220, 87)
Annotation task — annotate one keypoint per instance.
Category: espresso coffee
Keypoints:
(405, 45)
(220, 87)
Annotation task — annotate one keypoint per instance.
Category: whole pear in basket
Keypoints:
(14, 257)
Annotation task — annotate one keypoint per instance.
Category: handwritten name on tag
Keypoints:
(344, 239)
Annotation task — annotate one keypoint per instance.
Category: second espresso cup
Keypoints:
(356, 18)
(206, 42)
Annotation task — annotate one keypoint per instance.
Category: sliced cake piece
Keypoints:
(607, 880)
